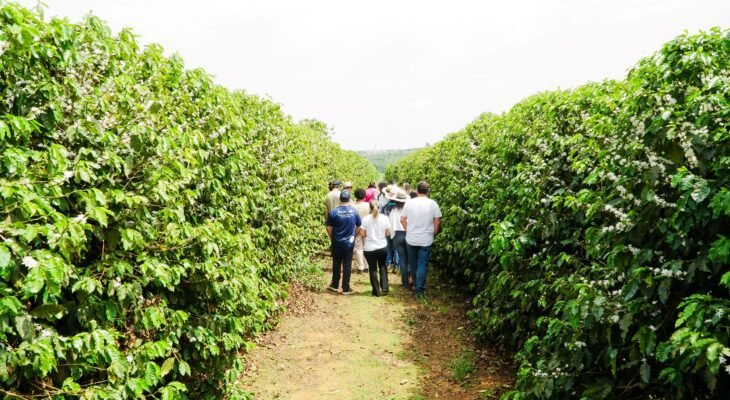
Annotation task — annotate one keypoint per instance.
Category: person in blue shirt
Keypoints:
(343, 223)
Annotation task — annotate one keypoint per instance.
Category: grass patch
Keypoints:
(462, 367)
(310, 273)
(488, 394)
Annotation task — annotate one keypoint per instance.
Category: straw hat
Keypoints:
(399, 195)
(389, 189)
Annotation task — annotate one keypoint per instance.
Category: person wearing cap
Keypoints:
(348, 186)
(343, 223)
(332, 199)
(375, 230)
(398, 235)
(363, 209)
(421, 218)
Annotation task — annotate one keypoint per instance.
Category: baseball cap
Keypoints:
(345, 196)
(336, 182)
(347, 185)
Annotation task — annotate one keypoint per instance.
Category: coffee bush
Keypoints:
(149, 218)
(593, 226)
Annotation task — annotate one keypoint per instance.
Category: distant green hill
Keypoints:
(381, 158)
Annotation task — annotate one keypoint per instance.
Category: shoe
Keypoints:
(384, 293)
(332, 289)
(376, 294)
(348, 291)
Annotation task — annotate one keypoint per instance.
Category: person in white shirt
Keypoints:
(421, 218)
(398, 234)
(374, 229)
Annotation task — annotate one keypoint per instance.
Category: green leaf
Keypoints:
(700, 191)
(151, 374)
(663, 290)
(70, 386)
(183, 368)
(25, 328)
(131, 239)
(725, 280)
(34, 282)
(10, 305)
(7, 267)
(4, 256)
(167, 366)
(645, 372)
(111, 310)
(87, 285)
(48, 310)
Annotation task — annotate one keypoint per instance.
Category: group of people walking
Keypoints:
(385, 225)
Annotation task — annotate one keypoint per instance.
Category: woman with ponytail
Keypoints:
(374, 229)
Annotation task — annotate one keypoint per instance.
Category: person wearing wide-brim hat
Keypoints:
(398, 234)
(398, 195)
(385, 206)
(383, 198)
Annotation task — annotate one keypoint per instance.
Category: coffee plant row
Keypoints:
(149, 218)
(593, 226)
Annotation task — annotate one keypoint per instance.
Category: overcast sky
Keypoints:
(398, 74)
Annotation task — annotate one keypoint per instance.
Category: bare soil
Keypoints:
(331, 346)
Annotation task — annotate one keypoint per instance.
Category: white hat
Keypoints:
(399, 195)
(389, 189)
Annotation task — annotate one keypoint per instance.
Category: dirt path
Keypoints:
(330, 346)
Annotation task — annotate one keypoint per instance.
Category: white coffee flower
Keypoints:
(68, 174)
(80, 219)
(30, 262)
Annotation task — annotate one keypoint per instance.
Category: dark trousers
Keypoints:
(401, 248)
(341, 259)
(376, 265)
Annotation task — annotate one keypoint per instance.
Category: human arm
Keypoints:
(330, 227)
(359, 228)
(404, 222)
(436, 218)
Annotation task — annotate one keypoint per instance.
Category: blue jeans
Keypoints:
(401, 249)
(392, 257)
(418, 257)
